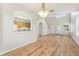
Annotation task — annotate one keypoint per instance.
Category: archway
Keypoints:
(40, 29)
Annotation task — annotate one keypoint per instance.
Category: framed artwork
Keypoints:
(22, 24)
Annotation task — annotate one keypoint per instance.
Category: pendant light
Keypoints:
(43, 12)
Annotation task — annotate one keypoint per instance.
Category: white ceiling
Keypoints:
(57, 7)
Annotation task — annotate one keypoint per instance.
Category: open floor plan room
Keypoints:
(39, 29)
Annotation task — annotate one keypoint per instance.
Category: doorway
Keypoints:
(40, 29)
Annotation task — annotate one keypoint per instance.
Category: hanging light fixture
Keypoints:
(43, 12)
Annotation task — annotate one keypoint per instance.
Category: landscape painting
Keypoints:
(22, 24)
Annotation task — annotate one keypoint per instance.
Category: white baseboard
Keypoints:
(76, 39)
(17, 47)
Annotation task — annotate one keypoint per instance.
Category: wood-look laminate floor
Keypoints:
(51, 45)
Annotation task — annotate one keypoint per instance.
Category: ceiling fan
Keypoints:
(44, 12)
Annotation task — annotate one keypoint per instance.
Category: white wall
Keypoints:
(1, 33)
(57, 23)
(77, 30)
(54, 24)
(12, 39)
(44, 25)
(74, 28)
(77, 25)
